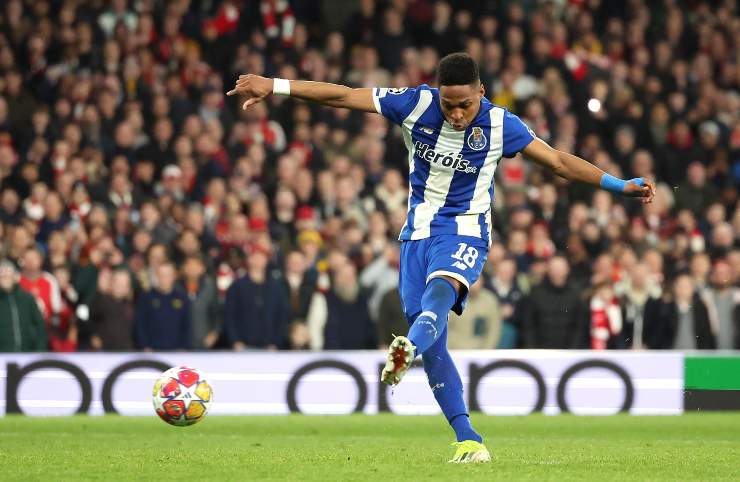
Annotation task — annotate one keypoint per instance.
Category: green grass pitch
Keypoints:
(358, 447)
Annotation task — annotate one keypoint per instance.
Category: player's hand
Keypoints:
(253, 87)
(646, 192)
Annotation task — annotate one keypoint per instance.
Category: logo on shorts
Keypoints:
(395, 91)
(477, 140)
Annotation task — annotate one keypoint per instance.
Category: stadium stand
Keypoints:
(121, 158)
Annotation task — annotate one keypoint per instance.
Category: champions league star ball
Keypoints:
(182, 396)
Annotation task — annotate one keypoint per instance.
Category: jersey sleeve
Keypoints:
(395, 104)
(517, 135)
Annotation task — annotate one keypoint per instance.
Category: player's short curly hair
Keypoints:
(458, 69)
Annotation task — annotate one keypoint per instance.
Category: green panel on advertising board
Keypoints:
(712, 373)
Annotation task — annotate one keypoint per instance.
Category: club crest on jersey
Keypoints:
(395, 91)
(477, 140)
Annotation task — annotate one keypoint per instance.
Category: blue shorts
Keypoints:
(459, 257)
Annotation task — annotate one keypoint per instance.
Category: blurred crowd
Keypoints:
(142, 209)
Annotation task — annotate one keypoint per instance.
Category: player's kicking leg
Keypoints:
(442, 288)
(446, 385)
(400, 357)
(438, 298)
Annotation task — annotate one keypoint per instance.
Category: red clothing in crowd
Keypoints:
(57, 311)
(606, 321)
(46, 291)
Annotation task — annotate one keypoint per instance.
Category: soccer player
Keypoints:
(455, 138)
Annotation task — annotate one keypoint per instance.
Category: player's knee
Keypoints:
(439, 287)
(455, 284)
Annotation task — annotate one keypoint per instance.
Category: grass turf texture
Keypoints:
(384, 447)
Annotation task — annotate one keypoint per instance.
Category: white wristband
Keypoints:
(280, 86)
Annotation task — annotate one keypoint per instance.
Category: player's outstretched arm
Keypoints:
(254, 88)
(576, 169)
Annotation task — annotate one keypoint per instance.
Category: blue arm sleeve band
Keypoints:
(613, 184)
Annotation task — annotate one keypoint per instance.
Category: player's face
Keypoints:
(460, 103)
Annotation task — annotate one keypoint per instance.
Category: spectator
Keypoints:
(282, 227)
(479, 327)
(505, 287)
(156, 255)
(634, 291)
(42, 285)
(379, 277)
(117, 12)
(553, 310)
(340, 320)
(390, 192)
(112, 313)
(196, 222)
(624, 146)
(391, 319)
(188, 245)
(679, 321)
(10, 203)
(20, 241)
(300, 284)
(121, 194)
(56, 254)
(699, 269)
(549, 209)
(696, 193)
(163, 314)
(255, 312)
(22, 327)
(205, 312)
(722, 240)
(299, 337)
(391, 42)
(54, 219)
(63, 336)
(723, 303)
(606, 318)
(161, 231)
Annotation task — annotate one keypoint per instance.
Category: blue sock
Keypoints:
(463, 429)
(436, 302)
(448, 389)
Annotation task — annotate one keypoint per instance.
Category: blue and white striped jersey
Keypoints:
(450, 172)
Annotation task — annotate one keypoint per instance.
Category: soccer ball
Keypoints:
(182, 396)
